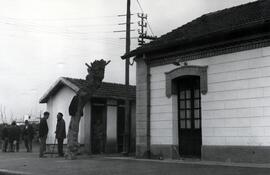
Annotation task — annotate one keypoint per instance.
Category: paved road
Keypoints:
(30, 163)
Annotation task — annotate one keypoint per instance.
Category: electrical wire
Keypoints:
(27, 25)
(63, 19)
(17, 24)
(140, 6)
(41, 23)
(56, 29)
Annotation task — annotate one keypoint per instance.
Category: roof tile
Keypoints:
(107, 90)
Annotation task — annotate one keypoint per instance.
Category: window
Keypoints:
(189, 103)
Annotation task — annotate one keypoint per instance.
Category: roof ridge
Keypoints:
(212, 13)
(113, 83)
(107, 90)
(234, 7)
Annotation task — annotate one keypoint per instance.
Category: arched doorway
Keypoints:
(189, 116)
(188, 83)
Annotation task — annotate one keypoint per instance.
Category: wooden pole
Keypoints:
(127, 107)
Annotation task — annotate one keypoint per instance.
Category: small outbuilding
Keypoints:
(203, 89)
(104, 115)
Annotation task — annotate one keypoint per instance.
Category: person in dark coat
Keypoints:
(5, 138)
(17, 137)
(28, 135)
(43, 132)
(12, 131)
(60, 133)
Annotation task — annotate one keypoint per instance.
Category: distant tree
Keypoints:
(93, 82)
(3, 115)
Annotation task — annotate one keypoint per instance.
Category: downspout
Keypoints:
(148, 115)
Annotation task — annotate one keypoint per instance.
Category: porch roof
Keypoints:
(107, 90)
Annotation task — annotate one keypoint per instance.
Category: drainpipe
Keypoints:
(148, 115)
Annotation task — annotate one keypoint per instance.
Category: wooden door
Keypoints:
(98, 128)
(120, 128)
(189, 116)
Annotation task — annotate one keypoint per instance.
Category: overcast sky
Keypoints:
(42, 40)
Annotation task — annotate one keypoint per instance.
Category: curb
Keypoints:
(199, 162)
(9, 172)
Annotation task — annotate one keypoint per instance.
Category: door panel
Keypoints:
(120, 128)
(98, 128)
(189, 116)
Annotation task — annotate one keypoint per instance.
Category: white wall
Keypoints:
(87, 127)
(236, 109)
(60, 103)
(161, 107)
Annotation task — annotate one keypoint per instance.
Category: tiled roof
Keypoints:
(107, 90)
(227, 20)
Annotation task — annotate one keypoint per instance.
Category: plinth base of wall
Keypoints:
(243, 154)
(158, 152)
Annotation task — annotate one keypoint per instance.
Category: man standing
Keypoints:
(5, 138)
(28, 134)
(12, 135)
(60, 133)
(17, 137)
(43, 132)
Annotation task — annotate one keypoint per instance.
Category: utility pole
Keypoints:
(127, 107)
(142, 32)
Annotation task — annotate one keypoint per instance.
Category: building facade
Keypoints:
(203, 90)
(102, 123)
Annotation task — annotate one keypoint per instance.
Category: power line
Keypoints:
(114, 44)
(39, 27)
(36, 27)
(61, 19)
(53, 29)
(140, 6)
(79, 36)
(19, 22)
(12, 22)
(149, 27)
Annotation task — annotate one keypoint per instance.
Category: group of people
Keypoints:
(11, 136)
(60, 133)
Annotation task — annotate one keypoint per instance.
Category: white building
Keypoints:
(106, 105)
(203, 90)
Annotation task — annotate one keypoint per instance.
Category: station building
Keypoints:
(107, 105)
(203, 89)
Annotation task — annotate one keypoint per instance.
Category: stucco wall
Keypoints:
(141, 107)
(161, 107)
(60, 103)
(236, 109)
(87, 127)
